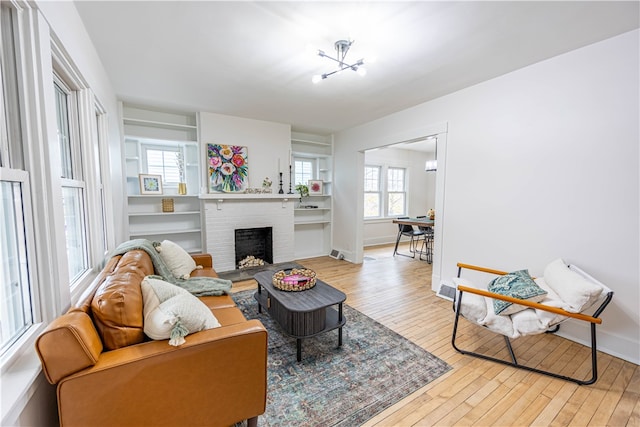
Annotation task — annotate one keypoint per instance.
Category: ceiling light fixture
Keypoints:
(342, 48)
(432, 165)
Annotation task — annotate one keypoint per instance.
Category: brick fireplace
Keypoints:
(256, 242)
(224, 214)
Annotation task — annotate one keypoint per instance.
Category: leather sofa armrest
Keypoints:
(218, 377)
(204, 260)
(69, 344)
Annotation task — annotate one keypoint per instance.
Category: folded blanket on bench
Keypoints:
(565, 289)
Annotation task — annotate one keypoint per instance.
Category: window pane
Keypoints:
(100, 119)
(74, 220)
(165, 163)
(371, 178)
(371, 205)
(396, 204)
(11, 154)
(395, 178)
(15, 312)
(62, 114)
(303, 170)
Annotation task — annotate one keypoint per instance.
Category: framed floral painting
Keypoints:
(315, 187)
(228, 169)
(150, 184)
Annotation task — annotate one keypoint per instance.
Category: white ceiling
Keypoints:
(251, 59)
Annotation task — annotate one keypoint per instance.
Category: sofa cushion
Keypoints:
(215, 302)
(117, 304)
(177, 259)
(172, 312)
(229, 316)
(518, 284)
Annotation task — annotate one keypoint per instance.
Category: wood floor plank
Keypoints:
(630, 397)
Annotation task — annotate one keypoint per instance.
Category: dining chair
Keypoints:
(427, 242)
(409, 231)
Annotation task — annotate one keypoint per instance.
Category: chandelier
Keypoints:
(342, 48)
(432, 165)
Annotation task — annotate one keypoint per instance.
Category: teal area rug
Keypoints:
(339, 386)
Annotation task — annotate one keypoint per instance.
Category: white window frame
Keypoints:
(22, 177)
(379, 192)
(88, 151)
(174, 148)
(23, 145)
(296, 173)
(384, 192)
(76, 179)
(100, 160)
(389, 192)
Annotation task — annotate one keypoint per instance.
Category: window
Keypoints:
(396, 192)
(303, 171)
(18, 304)
(392, 192)
(16, 314)
(372, 191)
(73, 184)
(164, 161)
(100, 137)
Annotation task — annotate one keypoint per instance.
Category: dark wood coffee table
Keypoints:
(302, 314)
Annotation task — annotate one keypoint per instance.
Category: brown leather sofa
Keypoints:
(108, 373)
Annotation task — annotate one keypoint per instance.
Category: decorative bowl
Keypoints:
(295, 279)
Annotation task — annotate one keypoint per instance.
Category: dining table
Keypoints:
(419, 222)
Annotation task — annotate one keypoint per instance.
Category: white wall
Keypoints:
(420, 195)
(266, 142)
(540, 163)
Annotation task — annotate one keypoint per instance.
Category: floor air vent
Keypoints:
(336, 254)
(446, 292)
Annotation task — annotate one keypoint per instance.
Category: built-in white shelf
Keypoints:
(313, 226)
(164, 213)
(163, 232)
(311, 222)
(158, 124)
(183, 226)
(214, 196)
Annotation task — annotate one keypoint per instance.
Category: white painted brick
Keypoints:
(222, 219)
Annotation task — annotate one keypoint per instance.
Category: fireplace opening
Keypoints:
(253, 242)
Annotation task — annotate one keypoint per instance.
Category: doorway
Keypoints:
(424, 190)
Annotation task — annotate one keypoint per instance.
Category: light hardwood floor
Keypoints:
(396, 291)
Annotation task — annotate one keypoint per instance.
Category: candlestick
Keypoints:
(290, 175)
(281, 191)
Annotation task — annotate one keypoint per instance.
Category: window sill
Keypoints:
(379, 220)
(20, 370)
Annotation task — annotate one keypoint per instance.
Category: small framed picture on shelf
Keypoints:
(315, 187)
(150, 184)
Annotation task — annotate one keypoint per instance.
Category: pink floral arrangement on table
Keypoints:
(228, 170)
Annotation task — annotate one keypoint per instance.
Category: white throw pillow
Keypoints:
(576, 291)
(177, 259)
(171, 312)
